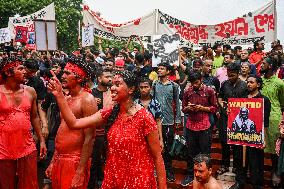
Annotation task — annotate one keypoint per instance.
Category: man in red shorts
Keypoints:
(70, 164)
(18, 115)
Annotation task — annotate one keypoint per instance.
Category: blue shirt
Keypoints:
(154, 107)
(168, 97)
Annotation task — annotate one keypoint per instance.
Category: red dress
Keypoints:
(16, 140)
(129, 162)
(18, 155)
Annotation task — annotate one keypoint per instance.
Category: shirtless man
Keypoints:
(18, 114)
(69, 167)
(203, 178)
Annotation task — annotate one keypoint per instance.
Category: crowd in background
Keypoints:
(191, 95)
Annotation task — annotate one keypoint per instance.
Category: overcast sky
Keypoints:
(193, 11)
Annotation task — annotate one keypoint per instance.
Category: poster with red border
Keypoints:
(246, 122)
(21, 34)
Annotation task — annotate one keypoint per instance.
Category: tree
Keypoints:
(106, 43)
(67, 13)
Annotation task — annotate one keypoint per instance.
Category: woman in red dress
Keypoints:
(133, 141)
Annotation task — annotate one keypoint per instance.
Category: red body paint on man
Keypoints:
(69, 167)
(18, 111)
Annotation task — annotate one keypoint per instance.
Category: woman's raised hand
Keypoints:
(54, 85)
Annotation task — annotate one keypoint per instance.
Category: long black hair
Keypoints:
(131, 81)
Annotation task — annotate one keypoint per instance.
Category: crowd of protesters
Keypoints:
(107, 118)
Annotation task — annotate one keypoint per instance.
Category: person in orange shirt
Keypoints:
(257, 56)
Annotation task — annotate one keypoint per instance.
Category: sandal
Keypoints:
(222, 170)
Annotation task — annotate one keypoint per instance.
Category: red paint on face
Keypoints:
(201, 172)
(69, 79)
(20, 74)
(119, 89)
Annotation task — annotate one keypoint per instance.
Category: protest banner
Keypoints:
(165, 47)
(246, 122)
(45, 35)
(244, 30)
(143, 26)
(47, 13)
(88, 36)
(5, 36)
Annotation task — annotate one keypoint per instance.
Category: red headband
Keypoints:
(12, 64)
(75, 69)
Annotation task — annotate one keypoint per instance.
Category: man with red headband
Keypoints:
(18, 112)
(69, 167)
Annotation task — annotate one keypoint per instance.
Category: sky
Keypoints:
(193, 11)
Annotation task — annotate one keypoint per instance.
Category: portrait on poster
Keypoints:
(246, 122)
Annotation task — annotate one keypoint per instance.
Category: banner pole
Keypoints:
(156, 21)
(244, 155)
(79, 34)
(275, 19)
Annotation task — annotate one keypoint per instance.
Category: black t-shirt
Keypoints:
(50, 106)
(212, 81)
(98, 94)
(39, 87)
(100, 131)
(237, 90)
(146, 70)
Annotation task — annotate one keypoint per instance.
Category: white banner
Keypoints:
(165, 47)
(5, 35)
(259, 24)
(143, 26)
(244, 30)
(45, 35)
(87, 36)
(47, 13)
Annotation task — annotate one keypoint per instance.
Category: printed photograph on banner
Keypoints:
(30, 41)
(46, 13)
(165, 47)
(21, 34)
(245, 122)
(5, 36)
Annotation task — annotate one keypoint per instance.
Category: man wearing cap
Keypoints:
(119, 65)
(69, 167)
(18, 112)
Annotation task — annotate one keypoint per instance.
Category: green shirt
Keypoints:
(273, 88)
(217, 63)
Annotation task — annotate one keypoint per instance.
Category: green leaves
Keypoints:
(67, 12)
